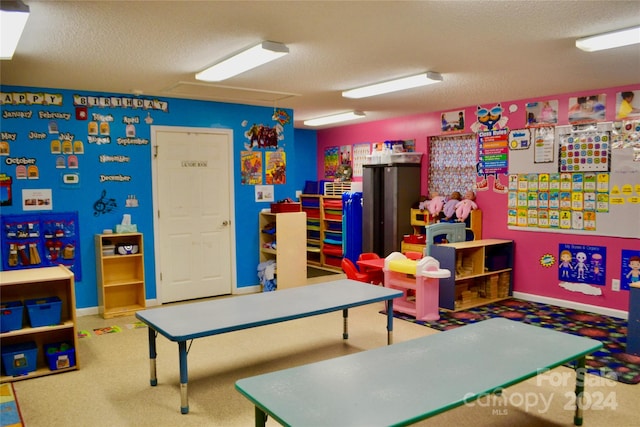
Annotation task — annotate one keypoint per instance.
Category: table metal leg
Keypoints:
(261, 417)
(345, 322)
(390, 322)
(152, 356)
(184, 377)
(580, 368)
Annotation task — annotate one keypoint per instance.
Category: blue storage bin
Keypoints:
(44, 311)
(19, 359)
(60, 355)
(11, 316)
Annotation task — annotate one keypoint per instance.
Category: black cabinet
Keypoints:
(388, 193)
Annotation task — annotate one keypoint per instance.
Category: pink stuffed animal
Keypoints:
(465, 206)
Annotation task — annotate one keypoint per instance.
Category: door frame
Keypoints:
(154, 177)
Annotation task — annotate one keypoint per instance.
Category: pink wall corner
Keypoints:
(530, 276)
(405, 128)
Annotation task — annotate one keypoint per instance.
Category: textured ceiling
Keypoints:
(487, 51)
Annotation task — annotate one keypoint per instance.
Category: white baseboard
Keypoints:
(247, 290)
(86, 311)
(568, 304)
(90, 311)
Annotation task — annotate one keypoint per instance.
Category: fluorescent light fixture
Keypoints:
(244, 61)
(610, 40)
(336, 118)
(13, 18)
(394, 85)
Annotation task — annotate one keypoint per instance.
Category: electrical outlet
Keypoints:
(615, 285)
(298, 194)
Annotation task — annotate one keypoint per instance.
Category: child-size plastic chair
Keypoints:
(413, 255)
(352, 272)
(368, 255)
(377, 277)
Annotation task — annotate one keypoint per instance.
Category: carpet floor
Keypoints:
(611, 361)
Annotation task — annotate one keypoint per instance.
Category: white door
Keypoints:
(193, 206)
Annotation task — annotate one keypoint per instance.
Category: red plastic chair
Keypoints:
(352, 272)
(368, 255)
(377, 277)
(413, 255)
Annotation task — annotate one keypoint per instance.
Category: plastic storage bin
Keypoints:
(60, 355)
(286, 207)
(419, 239)
(372, 160)
(19, 359)
(44, 311)
(310, 187)
(408, 157)
(11, 316)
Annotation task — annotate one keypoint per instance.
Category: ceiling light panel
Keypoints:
(13, 18)
(610, 40)
(422, 79)
(246, 60)
(335, 118)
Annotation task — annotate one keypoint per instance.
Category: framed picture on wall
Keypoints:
(452, 121)
(264, 193)
(331, 161)
(542, 113)
(587, 109)
(628, 105)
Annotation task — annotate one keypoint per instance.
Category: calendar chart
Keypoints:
(585, 151)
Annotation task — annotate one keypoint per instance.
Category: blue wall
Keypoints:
(26, 125)
(305, 152)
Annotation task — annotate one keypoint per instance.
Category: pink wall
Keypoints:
(529, 275)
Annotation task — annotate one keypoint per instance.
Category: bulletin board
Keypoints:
(578, 180)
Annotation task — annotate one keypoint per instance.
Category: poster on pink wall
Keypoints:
(542, 113)
(582, 264)
(331, 162)
(587, 109)
(452, 121)
(628, 105)
(630, 269)
(360, 153)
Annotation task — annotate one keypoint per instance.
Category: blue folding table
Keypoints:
(185, 322)
(404, 383)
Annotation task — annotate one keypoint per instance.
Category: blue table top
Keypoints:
(194, 320)
(406, 382)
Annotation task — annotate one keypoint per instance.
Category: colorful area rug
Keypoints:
(9, 410)
(611, 361)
